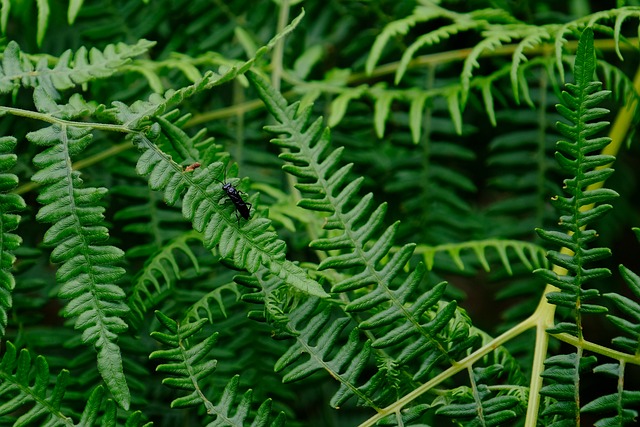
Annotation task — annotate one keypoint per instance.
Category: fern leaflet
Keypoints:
(621, 403)
(17, 69)
(25, 384)
(186, 364)
(87, 273)
(161, 266)
(583, 205)
(9, 203)
(249, 246)
(398, 318)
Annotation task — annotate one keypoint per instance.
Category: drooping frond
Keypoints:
(521, 164)
(187, 364)
(582, 205)
(27, 398)
(382, 297)
(249, 246)
(206, 303)
(17, 70)
(88, 270)
(9, 204)
(42, 20)
(435, 172)
(429, 11)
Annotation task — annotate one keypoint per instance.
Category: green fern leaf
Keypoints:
(87, 273)
(422, 13)
(188, 367)
(620, 403)
(9, 203)
(70, 70)
(325, 188)
(134, 115)
(205, 303)
(311, 323)
(583, 205)
(560, 373)
(487, 410)
(17, 392)
(249, 246)
(531, 255)
(631, 324)
(160, 266)
(24, 384)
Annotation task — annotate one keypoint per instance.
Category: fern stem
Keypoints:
(278, 50)
(476, 395)
(54, 120)
(592, 347)
(81, 164)
(466, 363)
(543, 317)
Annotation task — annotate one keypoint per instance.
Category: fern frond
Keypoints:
(478, 405)
(42, 19)
(493, 39)
(437, 179)
(134, 115)
(623, 403)
(70, 70)
(186, 364)
(88, 271)
(205, 303)
(401, 27)
(266, 289)
(26, 384)
(160, 266)
(248, 246)
(9, 204)
(399, 319)
(313, 324)
(527, 144)
(17, 373)
(561, 373)
(431, 38)
(583, 205)
(631, 323)
(529, 254)
(536, 37)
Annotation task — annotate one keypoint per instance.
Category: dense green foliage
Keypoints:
(442, 222)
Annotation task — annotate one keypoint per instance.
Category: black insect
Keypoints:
(243, 208)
